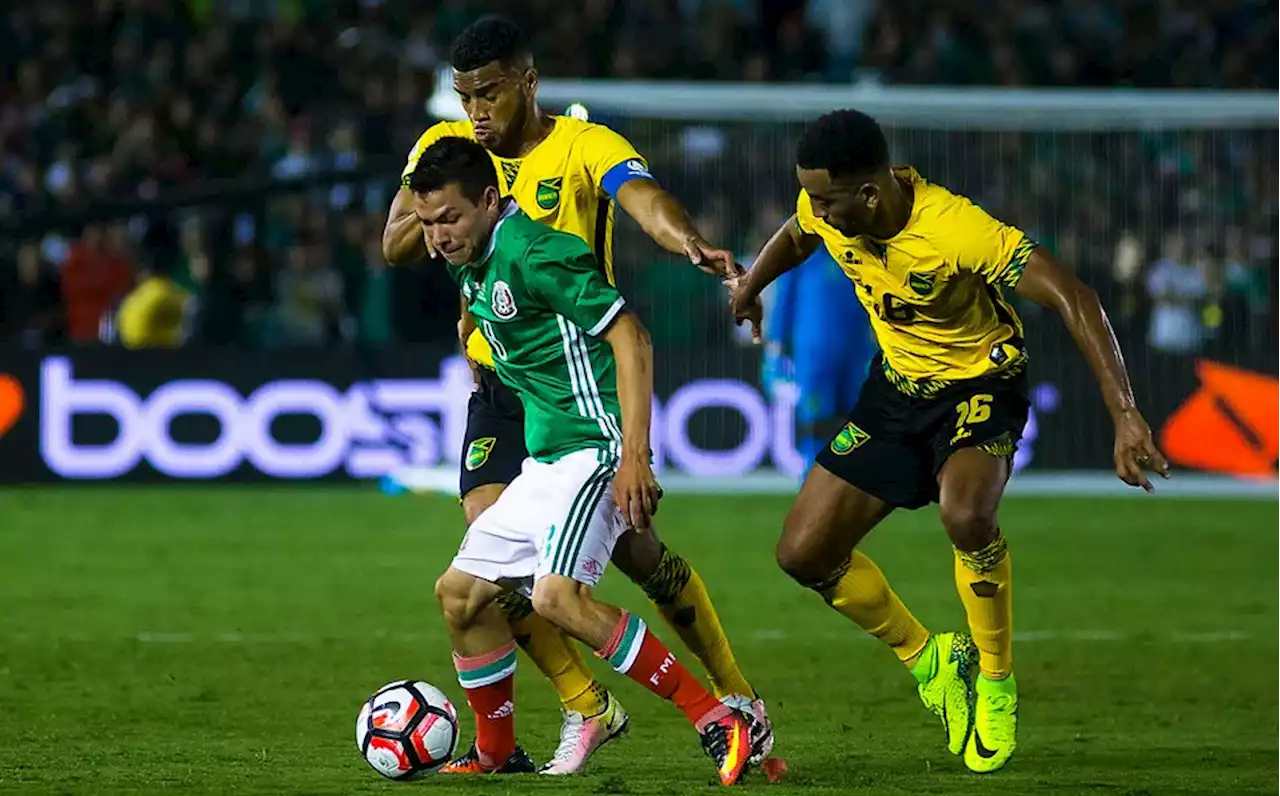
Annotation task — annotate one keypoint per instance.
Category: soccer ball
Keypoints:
(406, 729)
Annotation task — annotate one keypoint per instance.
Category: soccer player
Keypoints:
(582, 366)
(941, 413)
(566, 173)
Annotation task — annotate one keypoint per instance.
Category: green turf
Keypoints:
(221, 641)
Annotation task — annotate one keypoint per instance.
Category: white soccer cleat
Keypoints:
(761, 727)
(581, 736)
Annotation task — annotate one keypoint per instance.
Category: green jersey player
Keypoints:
(583, 368)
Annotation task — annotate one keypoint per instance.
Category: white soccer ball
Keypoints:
(578, 111)
(406, 729)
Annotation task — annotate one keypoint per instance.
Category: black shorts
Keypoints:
(893, 446)
(493, 449)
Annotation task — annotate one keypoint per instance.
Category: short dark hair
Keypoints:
(490, 38)
(845, 143)
(454, 159)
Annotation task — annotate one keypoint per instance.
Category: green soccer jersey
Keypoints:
(540, 299)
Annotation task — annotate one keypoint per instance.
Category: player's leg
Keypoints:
(493, 453)
(678, 592)
(976, 455)
(828, 519)
(571, 562)
(484, 655)
(871, 467)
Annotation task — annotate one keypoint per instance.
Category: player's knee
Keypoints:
(795, 556)
(558, 599)
(638, 556)
(970, 527)
(453, 593)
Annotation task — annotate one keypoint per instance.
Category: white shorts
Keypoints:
(553, 519)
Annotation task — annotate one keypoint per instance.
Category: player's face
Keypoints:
(456, 227)
(497, 100)
(847, 205)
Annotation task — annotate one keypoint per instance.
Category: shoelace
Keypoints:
(715, 742)
(570, 734)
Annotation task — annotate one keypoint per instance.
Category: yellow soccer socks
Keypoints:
(679, 594)
(862, 594)
(984, 579)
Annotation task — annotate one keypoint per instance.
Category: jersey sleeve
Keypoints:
(611, 159)
(980, 244)
(564, 274)
(433, 134)
(805, 219)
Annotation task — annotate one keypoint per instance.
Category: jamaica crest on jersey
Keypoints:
(921, 283)
(503, 303)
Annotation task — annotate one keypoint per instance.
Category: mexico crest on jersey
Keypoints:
(503, 303)
(548, 193)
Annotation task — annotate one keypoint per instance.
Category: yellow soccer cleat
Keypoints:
(995, 725)
(944, 673)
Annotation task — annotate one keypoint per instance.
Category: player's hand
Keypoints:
(744, 309)
(1135, 452)
(636, 492)
(717, 262)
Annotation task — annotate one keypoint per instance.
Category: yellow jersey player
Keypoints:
(566, 173)
(940, 414)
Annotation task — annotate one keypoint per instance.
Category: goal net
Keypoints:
(1164, 202)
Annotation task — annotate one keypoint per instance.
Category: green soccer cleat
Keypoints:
(995, 725)
(944, 674)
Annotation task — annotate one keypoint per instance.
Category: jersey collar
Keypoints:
(508, 211)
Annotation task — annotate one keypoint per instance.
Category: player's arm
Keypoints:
(634, 487)
(467, 325)
(620, 171)
(790, 246)
(1047, 283)
(664, 219)
(402, 239)
(564, 274)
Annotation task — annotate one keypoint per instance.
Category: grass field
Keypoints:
(221, 641)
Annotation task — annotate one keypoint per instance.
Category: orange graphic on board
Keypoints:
(12, 402)
(1230, 425)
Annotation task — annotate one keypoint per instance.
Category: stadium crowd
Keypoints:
(238, 119)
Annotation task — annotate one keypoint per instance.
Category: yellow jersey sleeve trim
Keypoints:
(1011, 273)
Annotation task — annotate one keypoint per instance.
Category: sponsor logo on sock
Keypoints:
(984, 588)
(667, 663)
(502, 712)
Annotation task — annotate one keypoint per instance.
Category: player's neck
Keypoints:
(895, 210)
(536, 130)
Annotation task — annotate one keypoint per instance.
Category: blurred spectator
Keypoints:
(110, 104)
(31, 303)
(154, 314)
(95, 275)
(309, 305)
(1175, 286)
(1247, 286)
